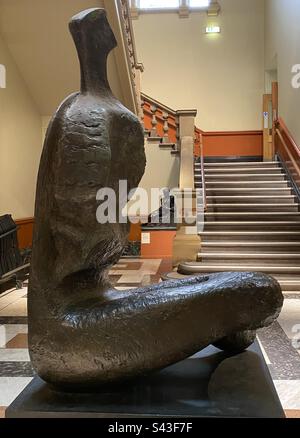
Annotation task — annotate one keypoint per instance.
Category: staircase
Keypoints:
(252, 222)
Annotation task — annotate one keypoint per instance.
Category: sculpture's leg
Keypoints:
(94, 341)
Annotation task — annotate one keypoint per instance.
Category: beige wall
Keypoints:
(222, 76)
(20, 142)
(282, 50)
(162, 170)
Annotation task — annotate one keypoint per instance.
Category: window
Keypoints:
(158, 4)
(199, 3)
(171, 4)
(184, 7)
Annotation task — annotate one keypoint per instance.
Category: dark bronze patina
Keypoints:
(82, 332)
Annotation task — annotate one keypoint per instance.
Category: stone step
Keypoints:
(250, 235)
(252, 225)
(201, 268)
(285, 207)
(251, 198)
(240, 170)
(253, 247)
(250, 258)
(248, 191)
(288, 285)
(243, 184)
(242, 163)
(241, 177)
(246, 215)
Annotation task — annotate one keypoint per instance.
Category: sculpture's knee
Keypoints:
(236, 342)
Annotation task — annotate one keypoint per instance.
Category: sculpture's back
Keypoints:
(82, 332)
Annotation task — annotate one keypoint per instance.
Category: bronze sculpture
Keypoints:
(82, 332)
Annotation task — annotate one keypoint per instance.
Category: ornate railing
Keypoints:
(136, 68)
(159, 120)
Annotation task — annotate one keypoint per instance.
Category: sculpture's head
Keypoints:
(91, 29)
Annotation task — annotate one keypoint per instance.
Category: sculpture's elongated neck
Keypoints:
(94, 73)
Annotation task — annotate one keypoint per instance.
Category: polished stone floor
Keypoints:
(280, 342)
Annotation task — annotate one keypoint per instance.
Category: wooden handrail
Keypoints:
(158, 104)
(297, 168)
(203, 174)
(284, 129)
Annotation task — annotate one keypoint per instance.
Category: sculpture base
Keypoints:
(210, 384)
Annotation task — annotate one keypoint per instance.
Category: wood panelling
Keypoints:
(25, 232)
(160, 246)
(135, 232)
(233, 143)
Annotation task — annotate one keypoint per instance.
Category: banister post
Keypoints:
(186, 119)
(186, 122)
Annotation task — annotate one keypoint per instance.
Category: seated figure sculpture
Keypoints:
(82, 332)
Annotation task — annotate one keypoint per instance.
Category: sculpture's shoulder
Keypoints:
(128, 121)
(127, 146)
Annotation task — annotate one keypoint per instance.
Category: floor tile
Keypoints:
(289, 318)
(10, 297)
(135, 277)
(18, 308)
(10, 388)
(292, 413)
(14, 355)
(16, 369)
(289, 393)
(19, 341)
(12, 320)
(10, 331)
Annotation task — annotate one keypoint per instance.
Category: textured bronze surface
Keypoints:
(82, 332)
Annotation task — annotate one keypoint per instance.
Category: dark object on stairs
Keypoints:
(164, 217)
(82, 332)
(132, 249)
(11, 260)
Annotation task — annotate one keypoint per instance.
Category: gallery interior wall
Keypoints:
(282, 51)
(222, 76)
(20, 142)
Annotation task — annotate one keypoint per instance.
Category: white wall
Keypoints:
(20, 143)
(282, 51)
(222, 76)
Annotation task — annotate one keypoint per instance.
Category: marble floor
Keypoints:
(280, 343)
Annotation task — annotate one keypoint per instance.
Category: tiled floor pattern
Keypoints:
(280, 342)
